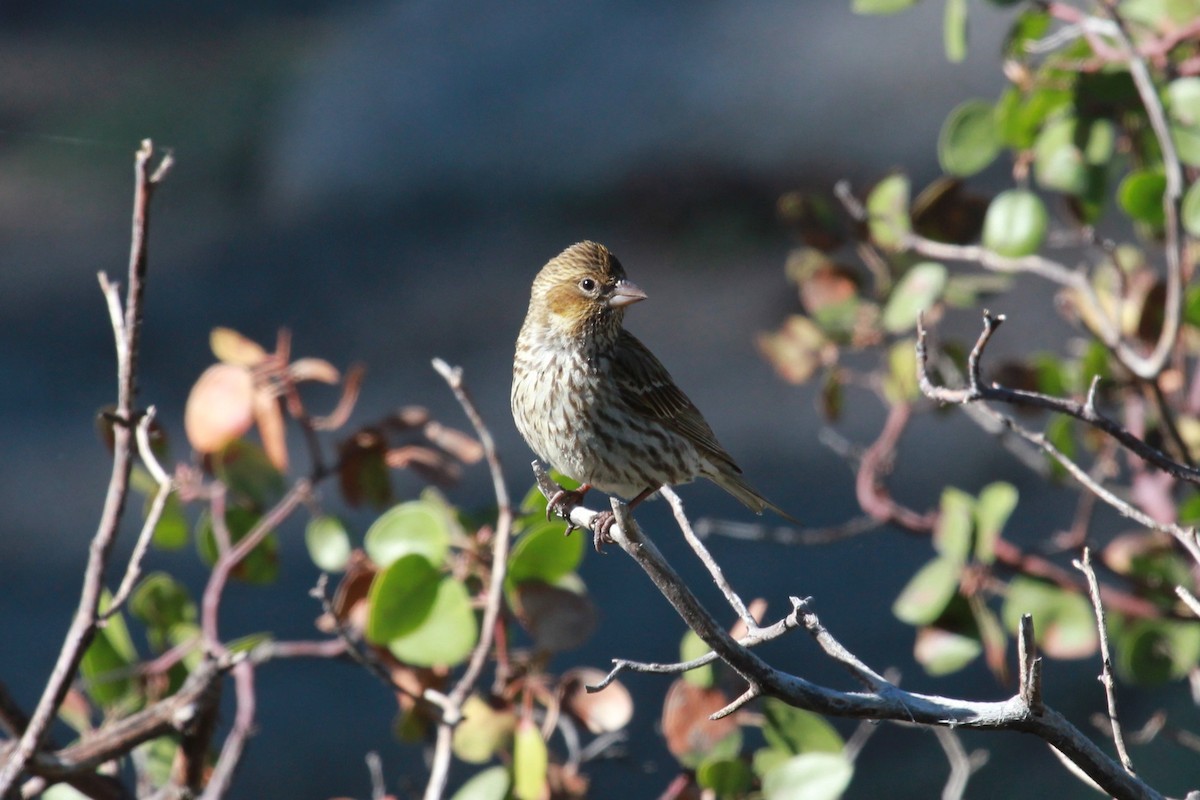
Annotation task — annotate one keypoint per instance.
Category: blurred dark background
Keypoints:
(385, 179)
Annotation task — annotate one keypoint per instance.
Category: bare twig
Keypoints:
(962, 764)
(714, 569)
(1025, 712)
(440, 766)
(1106, 676)
(760, 635)
(1086, 411)
(134, 569)
(1149, 368)
(127, 335)
(782, 534)
(1188, 599)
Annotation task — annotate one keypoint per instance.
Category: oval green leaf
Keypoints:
(491, 784)
(952, 536)
(413, 527)
(969, 140)
(1015, 224)
(544, 554)
(996, 504)
(942, 652)
(727, 777)
(530, 761)
(954, 30)
(795, 731)
(402, 598)
(811, 776)
(919, 289)
(887, 212)
(483, 732)
(328, 543)
(1140, 195)
(447, 634)
(693, 647)
(1062, 620)
(928, 592)
(1191, 210)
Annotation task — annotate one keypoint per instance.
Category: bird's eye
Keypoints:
(587, 284)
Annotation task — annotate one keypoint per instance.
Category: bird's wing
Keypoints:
(647, 387)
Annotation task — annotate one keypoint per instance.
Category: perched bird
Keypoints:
(595, 403)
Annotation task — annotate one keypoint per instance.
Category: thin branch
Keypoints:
(235, 743)
(714, 569)
(785, 535)
(760, 635)
(1029, 666)
(1149, 368)
(1086, 411)
(439, 769)
(1106, 676)
(1025, 712)
(83, 625)
(1188, 599)
(134, 569)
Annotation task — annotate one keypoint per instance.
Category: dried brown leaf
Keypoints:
(220, 407)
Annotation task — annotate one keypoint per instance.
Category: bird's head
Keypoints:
(583, 291)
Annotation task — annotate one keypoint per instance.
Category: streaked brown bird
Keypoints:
(595, 403)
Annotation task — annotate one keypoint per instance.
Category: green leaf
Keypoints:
(530, 761)
(107, 661)
(1059, 433)
(1153, 652)
(1191, 210)
(328, 543)
(544, 554)
(490, 784)
(943, 652)
(969, 139)
(156, 758)
(402, 597)
(248, 474)
(727, 777)
(795, 731)
(952, 536)
(1062, 620)
(448, 633)
(1140, 196)
(919, 289)
(483, 732)
(1067, 150)
(692, 647)
(811, 776)
(261, 566)
(171, 532)
(887, 212)
(1015, 224)
(900, 384)
(1183, 107)
(417, 526)
(161, 603)
(928, 592)
(880, 6)
(996, 504)
(954, 30)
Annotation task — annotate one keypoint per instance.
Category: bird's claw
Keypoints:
(601, 530)
(561, 503)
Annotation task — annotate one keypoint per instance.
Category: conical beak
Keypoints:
(625, 294)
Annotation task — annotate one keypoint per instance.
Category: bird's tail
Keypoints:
(746, 494)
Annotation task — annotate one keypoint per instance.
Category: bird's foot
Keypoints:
(561, 503)
(601, 527)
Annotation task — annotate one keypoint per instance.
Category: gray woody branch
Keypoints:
(1025, 712)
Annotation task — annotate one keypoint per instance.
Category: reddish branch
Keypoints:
(83, 625)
